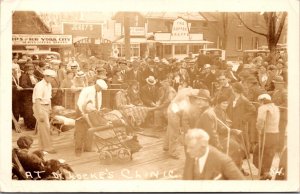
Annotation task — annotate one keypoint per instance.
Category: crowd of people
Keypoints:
(205, 93)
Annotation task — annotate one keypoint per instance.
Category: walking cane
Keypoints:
(244, 144)
(247, 155)
(228, 136)
(262, 147)
(262, 153)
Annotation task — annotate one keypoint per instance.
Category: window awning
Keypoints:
(134, 40)
(185, 42)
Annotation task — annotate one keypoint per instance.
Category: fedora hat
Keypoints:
(151, 80)
(201, 94)
(49, 72)
(278, 80)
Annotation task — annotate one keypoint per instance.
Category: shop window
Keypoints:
(135, 50)
(168, 49)
(194, 48)
(239, 43)
(180, 49)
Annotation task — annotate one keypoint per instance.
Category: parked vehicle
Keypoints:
(39, 54)
(253, 54)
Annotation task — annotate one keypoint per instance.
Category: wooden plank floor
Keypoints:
(151, 162)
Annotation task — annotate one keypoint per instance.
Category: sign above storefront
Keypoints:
(137, 31)
(91, 30)
(180, 30)
(36, 39)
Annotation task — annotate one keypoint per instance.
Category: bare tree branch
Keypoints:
(281, 24)
(260, 33)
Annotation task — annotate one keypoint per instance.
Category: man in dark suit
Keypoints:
(134, 73)
(205, 162)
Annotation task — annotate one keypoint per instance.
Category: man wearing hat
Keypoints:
(271, 72)
(28, 80)
(207, 119)
(280, 98)
(149, 96)
(39, 69)
(90, 99)
(41, 99)
(149, 91)
(240, 111)
(207, 76)
(225, 87)
(134, 73)
(92, 95)
(267, 125)
(73, 64)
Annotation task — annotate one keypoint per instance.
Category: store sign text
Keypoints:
(180, 30)
(35, 39)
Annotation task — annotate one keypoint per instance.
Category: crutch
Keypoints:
(247, 155)
(262, 153)
(244, 144)
(262, 146)
(228, 135)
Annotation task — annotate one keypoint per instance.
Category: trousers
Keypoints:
(44, 137)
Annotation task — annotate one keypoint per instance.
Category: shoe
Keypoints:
(244, 172)
(174, 157)
(266, 176)
(52, 151)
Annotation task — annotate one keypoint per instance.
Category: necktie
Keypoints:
(96, 100)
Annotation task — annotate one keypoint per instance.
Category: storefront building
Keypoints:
(179, 43)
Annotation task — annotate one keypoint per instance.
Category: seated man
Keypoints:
(135, 114)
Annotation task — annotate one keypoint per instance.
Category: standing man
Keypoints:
(41, 99)
(91, 95)
(280, 98)
(90, 99)
(205, 162)
(267, 124)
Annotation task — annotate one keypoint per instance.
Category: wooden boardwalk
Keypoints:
(151, 162)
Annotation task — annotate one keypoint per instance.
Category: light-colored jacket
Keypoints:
(268, 118)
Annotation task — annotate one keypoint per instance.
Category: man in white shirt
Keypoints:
(92, 96)
(72, 63)
(204, 162)
(41, 99)
(90, 99)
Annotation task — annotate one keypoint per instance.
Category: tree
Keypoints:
(274, 24)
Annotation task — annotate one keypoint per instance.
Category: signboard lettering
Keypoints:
(180, 30)
(91, 30)
(35, 39)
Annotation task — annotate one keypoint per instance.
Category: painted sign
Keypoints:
(180, 30)
(37, 39)
(137, 31)
(91, 30)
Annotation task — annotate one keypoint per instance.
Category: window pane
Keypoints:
(177, 50)
(168, 49)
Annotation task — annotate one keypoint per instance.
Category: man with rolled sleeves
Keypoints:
(41, 99)
(90, 99)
